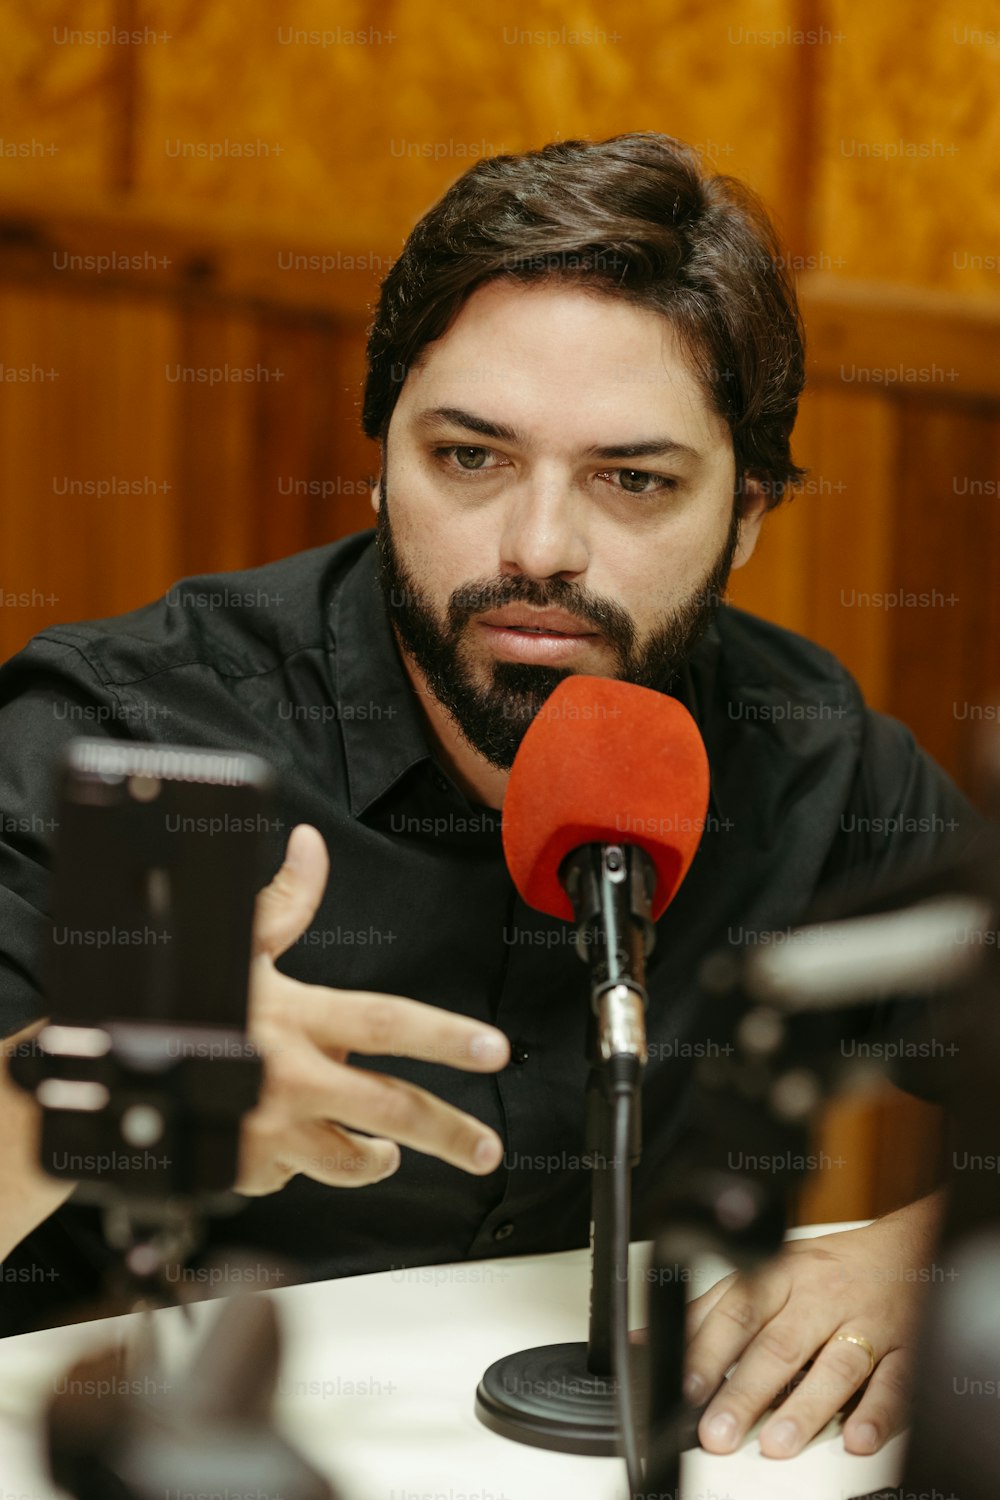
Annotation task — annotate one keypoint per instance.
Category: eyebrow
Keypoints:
(454, 416)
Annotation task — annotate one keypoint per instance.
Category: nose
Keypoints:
(543, 534)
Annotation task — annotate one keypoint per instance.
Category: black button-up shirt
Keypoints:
(296, 662)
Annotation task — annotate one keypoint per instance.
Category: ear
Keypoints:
(753, 508)
(376, 495)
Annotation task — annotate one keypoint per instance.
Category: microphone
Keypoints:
(604, 810)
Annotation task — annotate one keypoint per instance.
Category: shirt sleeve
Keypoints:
(905, 813)
(49, 695)
(905, 819)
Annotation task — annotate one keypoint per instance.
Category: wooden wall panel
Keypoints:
(217, 434)
(75, 538)
(176, 434)
(31, 430)
(831, 542)
(882, 337)
(947, 658)
(874, 1155)
(358, 118)
(60, 99)
(315, 466)
(908, 169)
(118, 354)
(775, 582)
(854, 501)
(359, 137)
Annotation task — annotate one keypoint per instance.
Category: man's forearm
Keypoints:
(27, 1194)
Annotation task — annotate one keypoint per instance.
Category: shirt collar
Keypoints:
(380, 719)
(697, 687)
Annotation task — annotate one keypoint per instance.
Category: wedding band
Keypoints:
(862, 1343)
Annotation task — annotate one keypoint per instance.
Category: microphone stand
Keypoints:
(566, 1397)
(600, 1149)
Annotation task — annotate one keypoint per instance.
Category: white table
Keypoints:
(379, 1378)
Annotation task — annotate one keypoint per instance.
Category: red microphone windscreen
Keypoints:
(604, 762)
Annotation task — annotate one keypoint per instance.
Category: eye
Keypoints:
(639, 481)
(467, 456)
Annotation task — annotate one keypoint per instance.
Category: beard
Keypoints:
(494, 716)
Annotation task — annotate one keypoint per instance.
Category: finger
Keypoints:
(306, 1085)
(273, 1150)
(736, 1316)
(377, 1025)
(696, 1385)
(399, 1111)
(839, 1369)
(746, 1308)
(332, 1154)
(884, 1408)
(284, 909)
(699, 1309)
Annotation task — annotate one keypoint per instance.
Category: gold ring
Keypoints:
(862, 1343)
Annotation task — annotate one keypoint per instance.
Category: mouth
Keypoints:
(537, 622)
(545, 637)
(534, 630)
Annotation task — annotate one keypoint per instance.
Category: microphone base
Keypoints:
(546, 1397)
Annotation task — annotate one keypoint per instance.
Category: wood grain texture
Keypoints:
(945, 660)
(87, 527)
(878, 336)
(60, 95)
(359, 136)
(909, 182)
(830, 543)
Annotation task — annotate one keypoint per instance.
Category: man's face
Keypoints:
(558, 497)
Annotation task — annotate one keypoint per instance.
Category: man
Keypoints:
(583, 375)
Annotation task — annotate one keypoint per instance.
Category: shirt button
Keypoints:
(440, 782)
(503, 1231)
(519, 1053)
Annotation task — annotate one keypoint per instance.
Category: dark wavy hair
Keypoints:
(632, 217)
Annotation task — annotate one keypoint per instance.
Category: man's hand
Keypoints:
(864, 1282)
(312, 1101)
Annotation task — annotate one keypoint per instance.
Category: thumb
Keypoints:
(284, 909)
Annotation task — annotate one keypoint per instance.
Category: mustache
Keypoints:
(479, 597)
